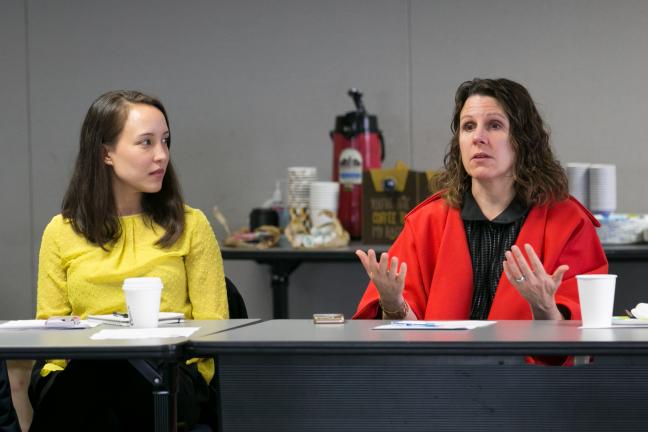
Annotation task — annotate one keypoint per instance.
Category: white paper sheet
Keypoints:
(135, 333)
(434, 325)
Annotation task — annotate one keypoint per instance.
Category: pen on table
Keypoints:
(415, 324)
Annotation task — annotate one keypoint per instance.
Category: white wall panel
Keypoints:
(16, 284)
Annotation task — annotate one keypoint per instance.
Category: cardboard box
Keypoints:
(388, 194)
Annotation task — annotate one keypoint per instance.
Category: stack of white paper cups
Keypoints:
(323, 198)
(299, 180)
(602, 188)
(578, 176)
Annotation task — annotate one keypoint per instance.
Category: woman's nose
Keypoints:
(479, 135)
(161, 152)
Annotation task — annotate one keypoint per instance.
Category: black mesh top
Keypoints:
(488, 240)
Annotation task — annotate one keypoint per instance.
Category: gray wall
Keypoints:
(253, 87)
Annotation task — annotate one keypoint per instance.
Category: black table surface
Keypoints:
(626, 251)
(613, 252)
(283, 252)
(502, 338)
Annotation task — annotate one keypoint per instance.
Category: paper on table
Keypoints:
(433, 325)
(137, 333)
(622, 321)
(40, 325)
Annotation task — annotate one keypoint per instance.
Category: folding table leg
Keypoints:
(164, 392)
(280, 278)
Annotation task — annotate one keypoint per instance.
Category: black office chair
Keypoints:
(237, 310)
(235, 302)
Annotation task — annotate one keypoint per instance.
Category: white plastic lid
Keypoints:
(142, 282)
(596, 276)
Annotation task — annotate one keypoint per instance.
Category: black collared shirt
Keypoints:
(488, 240)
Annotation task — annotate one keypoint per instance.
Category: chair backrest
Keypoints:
(235, 301)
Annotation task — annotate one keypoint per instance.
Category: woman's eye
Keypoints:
(496, 125)
(166, 141)
(468, 126)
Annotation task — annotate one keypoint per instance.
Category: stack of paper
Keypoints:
(121, 319)
(629, 322)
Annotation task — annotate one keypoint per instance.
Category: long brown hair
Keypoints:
(538, 176)
(89, 202)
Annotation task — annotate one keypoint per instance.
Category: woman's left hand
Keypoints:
(533, 283)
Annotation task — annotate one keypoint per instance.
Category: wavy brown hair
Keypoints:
(89, 203)
(538, 176)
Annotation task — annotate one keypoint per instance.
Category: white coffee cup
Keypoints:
(596, 294)
(143, 300)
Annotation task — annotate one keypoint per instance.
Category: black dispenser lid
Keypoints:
(358, 121)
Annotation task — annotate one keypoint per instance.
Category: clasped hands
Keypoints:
(529, 277)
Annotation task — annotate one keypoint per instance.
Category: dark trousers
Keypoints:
(108, 396)
(8, 419)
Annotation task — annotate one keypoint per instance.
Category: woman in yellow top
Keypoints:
(123, 216)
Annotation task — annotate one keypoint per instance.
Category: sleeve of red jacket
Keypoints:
(405, 248)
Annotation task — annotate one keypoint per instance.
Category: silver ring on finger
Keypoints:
(520, 279)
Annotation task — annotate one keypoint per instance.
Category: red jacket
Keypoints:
(439, 281)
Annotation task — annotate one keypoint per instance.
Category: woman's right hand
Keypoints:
(386, 276)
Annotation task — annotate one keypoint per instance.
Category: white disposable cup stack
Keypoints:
(578, 176)
(602, 188)
(299, 180)
(596, 294)
(323, 196)
(143, 300)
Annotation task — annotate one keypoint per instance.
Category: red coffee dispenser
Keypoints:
(358, 145)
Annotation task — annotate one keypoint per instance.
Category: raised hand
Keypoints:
(386, 275)
(533, 282)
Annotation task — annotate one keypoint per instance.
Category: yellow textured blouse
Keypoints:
(76, 277)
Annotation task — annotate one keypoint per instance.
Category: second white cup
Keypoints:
(143, 300)
(596, 294)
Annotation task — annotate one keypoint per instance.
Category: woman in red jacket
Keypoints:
(502, 239)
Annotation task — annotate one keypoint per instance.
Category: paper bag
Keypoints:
(388, 194)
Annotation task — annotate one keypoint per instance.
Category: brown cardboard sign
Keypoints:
(388, 194)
